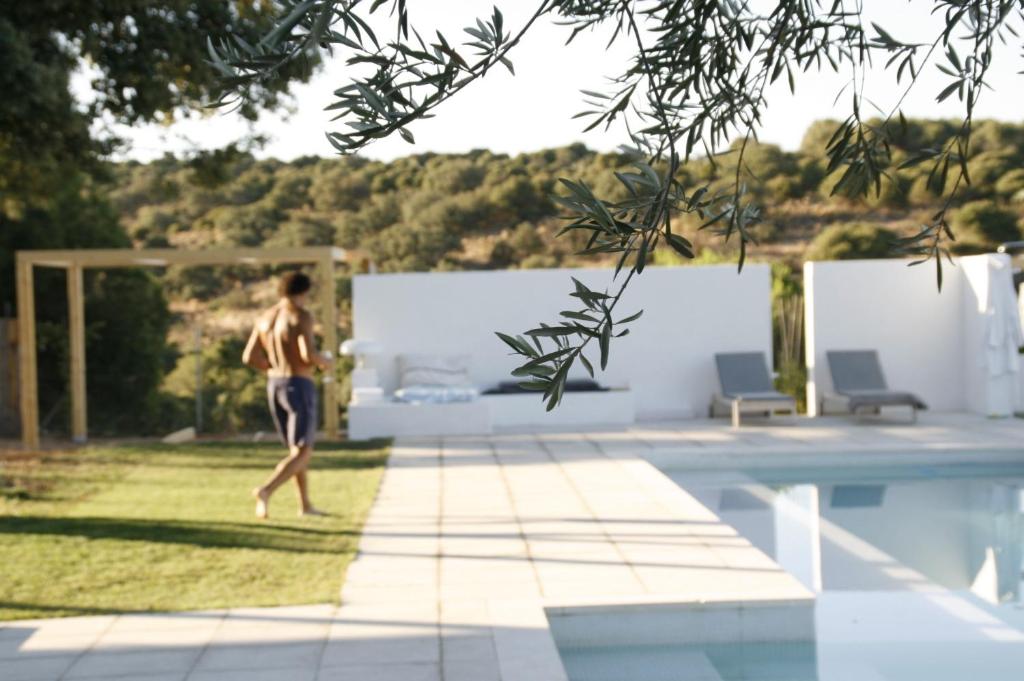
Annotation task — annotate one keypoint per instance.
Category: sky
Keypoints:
(533, 109)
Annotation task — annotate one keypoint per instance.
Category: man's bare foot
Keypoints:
(311, 512)
(262, 497)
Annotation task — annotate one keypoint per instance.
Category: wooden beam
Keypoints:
(76, 330)
(329, 319)
(162, 257)
(27, 378)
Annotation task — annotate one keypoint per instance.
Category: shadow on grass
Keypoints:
(63, 610)
(202, 534)
(243, 455)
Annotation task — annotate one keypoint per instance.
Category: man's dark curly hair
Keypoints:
(294, 284)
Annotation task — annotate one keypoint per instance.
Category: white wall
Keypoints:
(690, 313)
(928, 341)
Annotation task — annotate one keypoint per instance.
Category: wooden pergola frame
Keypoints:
(75, 262)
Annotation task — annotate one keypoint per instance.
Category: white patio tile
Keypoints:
(129, 641)
(35, 668)
(382, 672)
(37, 644)
(167, 622)
(471, 670)
(66, 626)
(305, 674)
(341, 653)
(107, 664)
(476, 646)
(262, 655)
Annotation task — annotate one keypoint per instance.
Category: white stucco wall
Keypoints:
(928, 341)
(690, 313)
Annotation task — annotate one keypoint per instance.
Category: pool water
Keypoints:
(873, 528)
(760, 662)
(918, 571)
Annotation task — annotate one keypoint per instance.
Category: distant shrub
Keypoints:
(452, 175)
(459, 213)
(374, 216)
(539, 261)
(502, 255)
(407, 248)
(783, 187)
(302, 230)
(980, 226)
(234, 396)
(526, 240)
(921, 192)
(851, 241)
(985, 169)
(1010, 184)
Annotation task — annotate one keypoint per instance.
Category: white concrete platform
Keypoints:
(475, 543)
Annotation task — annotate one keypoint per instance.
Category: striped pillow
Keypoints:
(433, 370)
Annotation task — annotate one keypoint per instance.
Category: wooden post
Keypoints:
(27, 378)
(76, 331)
(329, 319)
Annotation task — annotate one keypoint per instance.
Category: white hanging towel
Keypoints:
(1004, 338)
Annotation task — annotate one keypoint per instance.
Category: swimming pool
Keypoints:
(879, 528)
(917, 568)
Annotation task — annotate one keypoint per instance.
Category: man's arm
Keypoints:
(307, 344)
(255, 354)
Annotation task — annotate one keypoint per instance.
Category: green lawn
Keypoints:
(136, 528)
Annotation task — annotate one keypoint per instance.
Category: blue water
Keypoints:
(751, 662)
(918, 571)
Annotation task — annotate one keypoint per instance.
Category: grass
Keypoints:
(144, 528)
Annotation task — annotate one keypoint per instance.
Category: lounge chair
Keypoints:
(747, 387)
(860, 385)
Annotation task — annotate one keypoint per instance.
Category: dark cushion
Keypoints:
(573, 385)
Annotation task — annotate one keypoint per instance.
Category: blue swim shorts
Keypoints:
(293, 406)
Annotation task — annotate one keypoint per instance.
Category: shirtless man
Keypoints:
(282, 344)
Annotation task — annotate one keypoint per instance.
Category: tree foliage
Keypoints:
(147, 61)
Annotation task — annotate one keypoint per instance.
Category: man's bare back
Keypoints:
(286, 333)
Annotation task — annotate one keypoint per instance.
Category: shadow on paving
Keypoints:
(263, 536)
(325, 648)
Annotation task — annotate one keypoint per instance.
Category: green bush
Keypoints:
(922, 191)
(302, 230)
(502, 255)
(980, 226)
(1010, 184)
(234, 396)
(851, 241)
(539, 261)
(375, 215)
(407, 248)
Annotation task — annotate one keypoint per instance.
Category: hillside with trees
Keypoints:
(484, 210)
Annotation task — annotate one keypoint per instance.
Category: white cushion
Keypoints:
(432, 394)
(433, 370)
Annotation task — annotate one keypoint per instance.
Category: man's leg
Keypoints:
(296, 461)
(302, 482)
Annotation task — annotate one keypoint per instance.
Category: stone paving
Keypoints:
(473, 543)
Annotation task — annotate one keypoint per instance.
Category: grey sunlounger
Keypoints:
(859, 382)
(747, 386)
